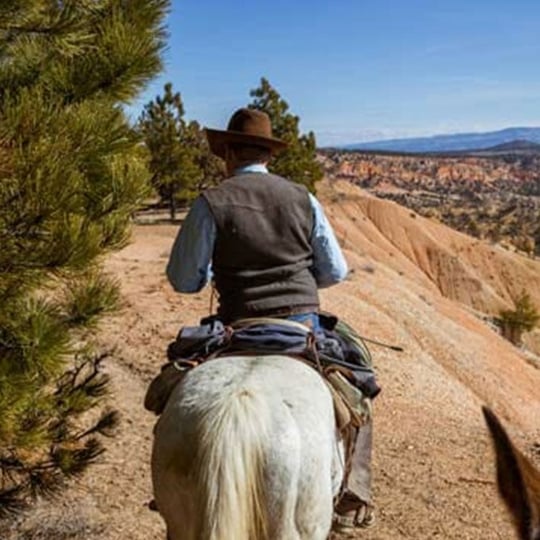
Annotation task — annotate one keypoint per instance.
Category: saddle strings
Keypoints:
(213, 295)
(312, 348)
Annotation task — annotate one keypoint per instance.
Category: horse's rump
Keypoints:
(246, 449)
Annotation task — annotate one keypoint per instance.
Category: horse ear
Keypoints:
(518, 480)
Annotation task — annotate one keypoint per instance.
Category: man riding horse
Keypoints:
(267, 245)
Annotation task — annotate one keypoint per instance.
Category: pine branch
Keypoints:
(12, 501)
(105, 426)
(45, 482)
(72, 462)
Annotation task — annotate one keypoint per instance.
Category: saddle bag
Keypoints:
(162, 385)
(358, 405)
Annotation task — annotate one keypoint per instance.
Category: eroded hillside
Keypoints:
(493, 197)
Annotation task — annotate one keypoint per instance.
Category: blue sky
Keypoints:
(360, 70)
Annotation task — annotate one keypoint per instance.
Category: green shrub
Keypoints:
(522, 319)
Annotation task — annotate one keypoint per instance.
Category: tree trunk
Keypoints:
(172, 205)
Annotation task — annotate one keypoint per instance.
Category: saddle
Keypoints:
(195, 345)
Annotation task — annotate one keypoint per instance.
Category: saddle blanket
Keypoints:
(349, 375)
(336, 343)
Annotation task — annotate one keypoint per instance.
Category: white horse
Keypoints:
(247, 449)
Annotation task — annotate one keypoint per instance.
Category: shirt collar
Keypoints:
(252, 168)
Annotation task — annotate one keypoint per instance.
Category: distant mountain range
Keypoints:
(459, 142)
(513, 147)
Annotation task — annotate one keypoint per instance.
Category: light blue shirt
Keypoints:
(189, 267)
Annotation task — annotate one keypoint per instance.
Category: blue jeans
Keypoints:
(310, 319)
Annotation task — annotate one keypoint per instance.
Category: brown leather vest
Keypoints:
(262, 253)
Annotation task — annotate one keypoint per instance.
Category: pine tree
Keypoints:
(180, 159)
(172, 162)
(298, 162)
(70, 178)
(212, 168)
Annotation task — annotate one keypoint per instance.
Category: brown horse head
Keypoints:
(518, 481)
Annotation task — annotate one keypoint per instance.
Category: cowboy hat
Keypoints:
(246, 126)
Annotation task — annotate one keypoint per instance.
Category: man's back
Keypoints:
(262, 253)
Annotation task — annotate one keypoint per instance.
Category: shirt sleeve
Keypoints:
(188, 269)
(329, 264)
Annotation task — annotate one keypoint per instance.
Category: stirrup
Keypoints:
(361, 518)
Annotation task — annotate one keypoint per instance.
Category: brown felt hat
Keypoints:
(247, 126)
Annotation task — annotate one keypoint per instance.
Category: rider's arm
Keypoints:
(188, 269)
(329, 264)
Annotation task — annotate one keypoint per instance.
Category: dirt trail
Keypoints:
(433, 471)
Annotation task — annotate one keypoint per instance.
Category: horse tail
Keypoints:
(229, 467)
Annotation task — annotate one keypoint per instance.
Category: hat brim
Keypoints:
(219, 139)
